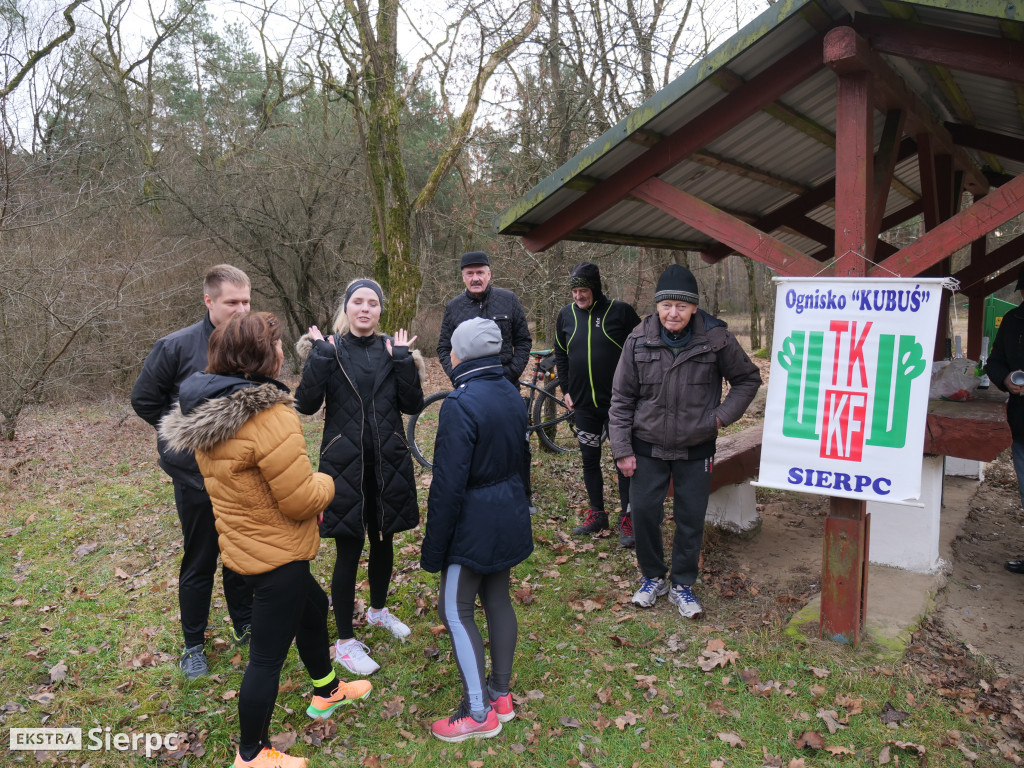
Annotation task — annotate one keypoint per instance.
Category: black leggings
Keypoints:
(456, 602)
(287, 604)
(198, 565)
(379, 567)
(590, 426)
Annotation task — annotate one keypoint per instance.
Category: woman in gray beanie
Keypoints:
(478, 525)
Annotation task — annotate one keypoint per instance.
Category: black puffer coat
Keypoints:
(1007, 356)
(396, 390)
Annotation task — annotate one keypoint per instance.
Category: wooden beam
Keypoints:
(974, 278)
(773, 82)
(996, 208)
(885, 165)
(975, 430)
(854, 168)
(976, 307)
(952, 48)
(741, 237)
(846, 51)
(729, 81)
(929, 184)
(1009, 147)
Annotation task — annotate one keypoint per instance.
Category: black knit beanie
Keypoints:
(587, 275)
(676, 283)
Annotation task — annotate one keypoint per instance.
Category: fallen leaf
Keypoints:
(819, 673)
(229, 695)
(570, 722)
(732, 740)
(831, 718)
(810, 739)
(601, 723)
(476, 764)
(86, 549)
(393, 708)
(118, 573)
(58, 672)
(796, 762)
(626, 718)
(282, 741)
(438, 629)
(44, 697)
(909, 747)
(839, 751)
(883, 756)
(890, 714)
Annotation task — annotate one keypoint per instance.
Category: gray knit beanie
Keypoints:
(476, 337)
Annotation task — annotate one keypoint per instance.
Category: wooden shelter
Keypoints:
(819, 126)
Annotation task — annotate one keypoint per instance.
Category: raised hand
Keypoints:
(315, 335)
(401, 340)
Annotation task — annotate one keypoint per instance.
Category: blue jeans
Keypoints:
(1017, 450)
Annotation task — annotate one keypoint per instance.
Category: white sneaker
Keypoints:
(352, 655)
(683, 598)
(390, 622)
(650, 590)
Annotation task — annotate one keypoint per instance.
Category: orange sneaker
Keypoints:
(322, 706)
(462, 726)
(270, 758)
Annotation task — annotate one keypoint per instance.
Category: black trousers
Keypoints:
(590, 426)
(456, 604)
(287, 604)
(379, 567)
(692, 487)
(198, 565)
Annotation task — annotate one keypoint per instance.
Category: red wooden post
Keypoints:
(976, 308)
(845, 549)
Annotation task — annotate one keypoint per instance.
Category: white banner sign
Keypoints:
(848, 392)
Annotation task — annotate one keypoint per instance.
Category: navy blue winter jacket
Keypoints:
(477, 511)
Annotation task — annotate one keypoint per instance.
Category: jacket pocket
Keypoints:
(650, 370)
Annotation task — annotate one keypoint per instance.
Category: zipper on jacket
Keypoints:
(380, 455)
(590, 356)
(362, 424)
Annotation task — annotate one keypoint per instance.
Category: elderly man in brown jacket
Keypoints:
(665, 414)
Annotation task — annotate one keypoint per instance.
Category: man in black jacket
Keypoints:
(172, 360)
(1007, 359)
(481, 299)
(589, 335)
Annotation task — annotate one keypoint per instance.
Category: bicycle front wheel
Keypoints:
(553, 422)
(422, 428)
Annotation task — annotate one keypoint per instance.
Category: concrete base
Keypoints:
(908, 537)
(975, 470)
(733, 508)
(898, 601)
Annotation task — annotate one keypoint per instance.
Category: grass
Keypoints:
(88, 621)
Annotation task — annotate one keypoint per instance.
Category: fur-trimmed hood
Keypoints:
(213, 408)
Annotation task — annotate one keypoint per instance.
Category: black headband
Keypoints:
(365, 283)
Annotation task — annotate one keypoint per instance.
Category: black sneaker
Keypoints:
(626, 538)
(596, 522)
(193, 662)
(1015, 566)
(242, 638)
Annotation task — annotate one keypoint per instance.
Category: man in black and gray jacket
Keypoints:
(589, 334)
(481, 299)
(173, 359)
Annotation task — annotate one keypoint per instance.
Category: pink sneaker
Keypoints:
(503, 708)
(462, 726)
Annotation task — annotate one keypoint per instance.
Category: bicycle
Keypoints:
(549, 417)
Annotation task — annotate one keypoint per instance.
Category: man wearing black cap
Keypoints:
(1007, 359)
(589, 334)
(664, 419)
(481, 299)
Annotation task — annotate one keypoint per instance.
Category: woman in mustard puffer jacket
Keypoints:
(267, 500)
